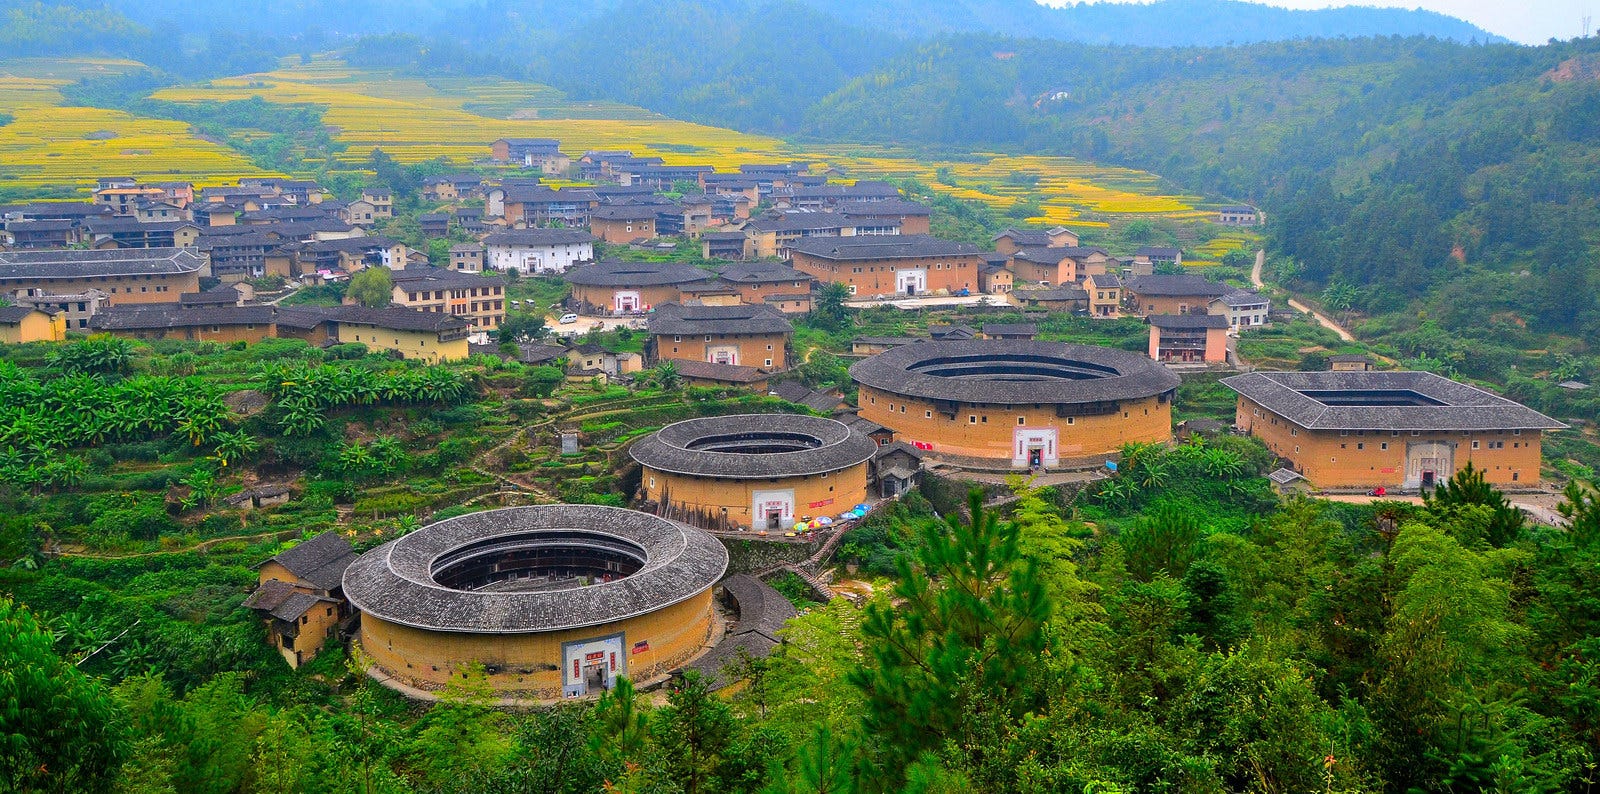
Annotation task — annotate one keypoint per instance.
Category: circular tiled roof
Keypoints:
(395, 582)
(1013, 372)
(754, 446)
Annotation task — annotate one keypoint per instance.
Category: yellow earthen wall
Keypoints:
(531, 663)
(814, 495)
(1378, 457)
(1146, 420)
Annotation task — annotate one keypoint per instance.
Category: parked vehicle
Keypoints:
(568, 319)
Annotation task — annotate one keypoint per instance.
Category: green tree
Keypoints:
(98, 355)
(694, 732)
(828, 311)
(59, 729)
(1468, 487)
(666, 376)
(521, 327)
(373, 287)
(960, 642)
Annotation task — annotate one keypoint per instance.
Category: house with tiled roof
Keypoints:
(749, 335)
(913, 264)
(1406, 430)
(300, 596)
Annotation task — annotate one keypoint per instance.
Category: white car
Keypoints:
(568, 319)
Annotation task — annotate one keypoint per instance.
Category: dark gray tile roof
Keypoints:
(16, 314)
(801, 221)
(762, 273)
(270, 595)
(320, 560)
(617, 273)
(675, 319)
(708, 370)
(394, 582)
(1241, 297)
(1053, 294)
(890, 246)
(629, 212)
(1188, 321)
(77, 263)
(886, 207)
(1105, 281)
(396, 318)
(296, 605)
(761, 609)
(1009, 329)
(1013, 372)
(674, 448)
(442, 278)
(1177, 286)
(145, 317)
(539, 237)
(1463, 407)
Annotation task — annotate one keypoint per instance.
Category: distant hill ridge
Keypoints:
(1166, 23)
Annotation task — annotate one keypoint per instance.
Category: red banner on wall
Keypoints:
(823, 503)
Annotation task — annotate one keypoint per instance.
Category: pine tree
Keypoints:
(959, 647)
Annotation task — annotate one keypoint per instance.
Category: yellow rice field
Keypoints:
(50, 147)
(415, 119)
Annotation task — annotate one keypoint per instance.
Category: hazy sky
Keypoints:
(1527, 21)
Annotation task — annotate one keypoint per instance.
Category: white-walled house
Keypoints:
(533, 251)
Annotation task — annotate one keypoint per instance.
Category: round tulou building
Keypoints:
(1016, 403)
(554, 601)
(758, 471)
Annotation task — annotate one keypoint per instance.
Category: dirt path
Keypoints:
(1322, 319)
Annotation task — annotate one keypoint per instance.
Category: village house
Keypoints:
(830, 196)
(690, 216)
(427, 336)
(541, 153)
(1160, 294)
(1240, 215)
(756, 336)
(1157, 255)
(894, 265)
(536, 205)
(1011, 241)
(723, 245)
(1059, 265)
(478, 299)
(758, 281)
(42, 234)
(382, 202)
(123, 232)
(160, 212)
(1072, 299)
(537, 251)
(615, 287)
(133, 275)
(75, 309)
(434, 224)
(661, 177)
(909, 216)
(1350, 362)
(773, 235)
(1188, 338)
(1022, 331)
(300, 595)
(351, 254)
(1404, 430)
(1105, 295)
(592, 358)
(22, 324)
(725, 376)
(466, 257)
(624, 223)
(455, 187)
(994, 278)
(124, 199)
(1244, 309)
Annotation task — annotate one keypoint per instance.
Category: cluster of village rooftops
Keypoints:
(169, 260)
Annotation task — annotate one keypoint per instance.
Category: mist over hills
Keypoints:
(1158, 24)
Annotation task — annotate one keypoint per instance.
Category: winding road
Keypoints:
(1322, 319)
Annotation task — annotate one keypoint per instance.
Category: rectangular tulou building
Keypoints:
(1356, 429)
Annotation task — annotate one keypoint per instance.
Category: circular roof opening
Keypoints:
(1012, 367)
(531, 562)
(758, 442)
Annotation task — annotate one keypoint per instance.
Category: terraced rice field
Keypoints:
(415, 119)
(48, 147)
